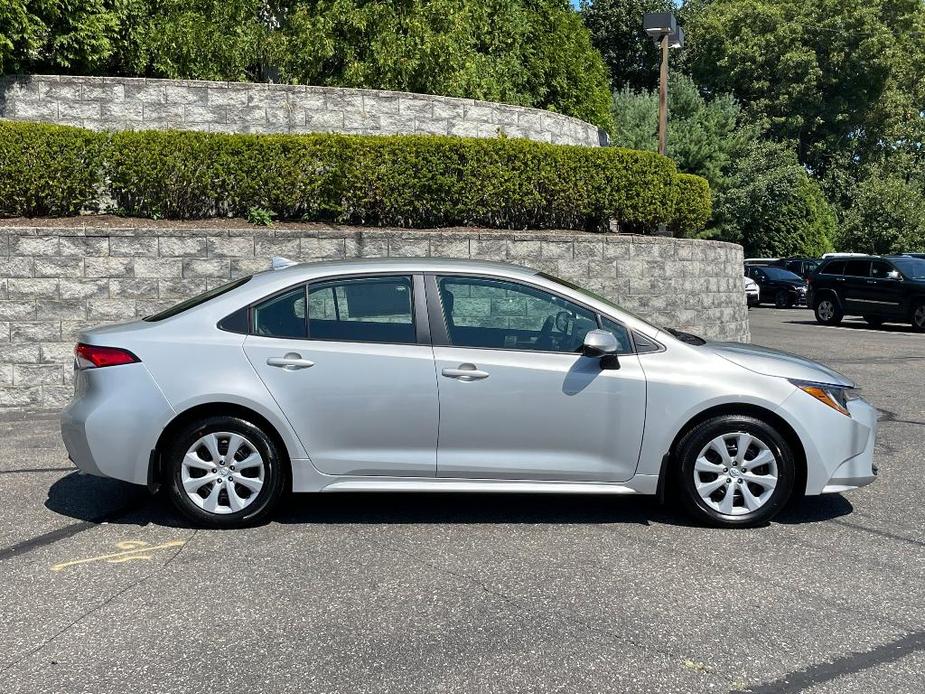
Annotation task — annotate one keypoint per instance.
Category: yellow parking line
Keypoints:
(131, 550)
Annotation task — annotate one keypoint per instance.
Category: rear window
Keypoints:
(197, 300)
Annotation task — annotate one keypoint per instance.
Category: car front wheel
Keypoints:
(828, 311)
(224, 472)
(783, 299)
(734, 471)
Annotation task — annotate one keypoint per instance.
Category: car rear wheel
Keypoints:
(918, 317)
(224, 472)
(783, 299)
(874, 321)
(734, 471)
(827, 310)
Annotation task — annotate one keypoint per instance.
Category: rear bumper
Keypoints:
(113, 422)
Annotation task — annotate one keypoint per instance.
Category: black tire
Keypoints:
(827, 310)
(783, 299)
(694, 442)
(918, 317)
(267, 497)
(874, 321)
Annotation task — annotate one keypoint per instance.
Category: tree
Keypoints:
(532, 53)
(887, 211)
(772, 206)
(809, 70)
(616, 31)
(704, 136)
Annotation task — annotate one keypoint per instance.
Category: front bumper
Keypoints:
(858, 470)
(838, 449)
(752, 298)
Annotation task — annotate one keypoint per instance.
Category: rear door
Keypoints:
(854, 285)
(517, 399)
(350, 364)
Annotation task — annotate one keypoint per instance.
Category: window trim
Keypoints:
(419, 315)
(440, 334)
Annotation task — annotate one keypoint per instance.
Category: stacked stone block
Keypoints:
(55, 282)
(121, 103)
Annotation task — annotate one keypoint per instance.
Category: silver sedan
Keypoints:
(454, 376)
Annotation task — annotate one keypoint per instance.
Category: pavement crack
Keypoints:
(847, 664)
(93, 610)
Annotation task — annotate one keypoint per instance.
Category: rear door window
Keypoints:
(836, 267)
(370, 309)
(857, 268)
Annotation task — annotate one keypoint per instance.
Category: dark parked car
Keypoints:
(877, 288)
(777, 286)
(801, 266)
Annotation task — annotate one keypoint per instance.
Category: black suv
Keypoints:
(777, 285)
(877, 288)
(801, 266)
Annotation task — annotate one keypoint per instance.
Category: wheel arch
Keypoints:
(741, 409)
(214, 409)
(827, 290)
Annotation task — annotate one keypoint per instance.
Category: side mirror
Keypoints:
(893, 274)
(599, 343)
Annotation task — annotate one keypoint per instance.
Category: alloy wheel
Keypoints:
(735, 473)
(826, 310)
(918, 317)
(222, 472)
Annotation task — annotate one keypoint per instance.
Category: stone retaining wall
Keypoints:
(122, 103)
(56, 281)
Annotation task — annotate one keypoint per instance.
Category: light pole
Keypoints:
(664, 30)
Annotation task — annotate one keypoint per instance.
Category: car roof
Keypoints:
(333, 267)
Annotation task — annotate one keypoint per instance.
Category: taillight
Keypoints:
(93, 357)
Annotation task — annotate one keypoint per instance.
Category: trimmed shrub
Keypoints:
(48, 170)
(400, 180)
(693, 205)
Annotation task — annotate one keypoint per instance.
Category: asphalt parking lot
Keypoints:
(106, 590)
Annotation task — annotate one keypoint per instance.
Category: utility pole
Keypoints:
(663, 99)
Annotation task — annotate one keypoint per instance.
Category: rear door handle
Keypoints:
(291, 362)
(466, 372)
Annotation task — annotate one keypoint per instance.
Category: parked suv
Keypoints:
(877, 288)
(803, 267)
(778, 286)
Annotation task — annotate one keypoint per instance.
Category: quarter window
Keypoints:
(373, 309)
(281, 316)
(496, 314)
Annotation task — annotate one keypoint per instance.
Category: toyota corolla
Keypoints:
(451, 376)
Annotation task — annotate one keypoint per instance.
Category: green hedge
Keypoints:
(693, 205)
(48, 170)
(400, 180)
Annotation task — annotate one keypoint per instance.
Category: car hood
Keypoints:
(772, 362)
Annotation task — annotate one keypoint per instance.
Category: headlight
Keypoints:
(836, 397)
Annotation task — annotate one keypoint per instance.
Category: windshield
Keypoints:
(913, 268)
(593, 295)
(197, 300)
(776, 273)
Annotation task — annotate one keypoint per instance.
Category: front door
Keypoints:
(517, 400)
(351, 375)
(883, 293)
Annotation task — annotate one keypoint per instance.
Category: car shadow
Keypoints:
(861, 325)
(99, 500)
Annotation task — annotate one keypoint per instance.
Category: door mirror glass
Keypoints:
(893, 274)
(597, 343)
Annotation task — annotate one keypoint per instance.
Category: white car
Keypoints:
(454, 376)
(752, 293)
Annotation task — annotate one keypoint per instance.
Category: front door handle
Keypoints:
(466, 372)
(293, 361)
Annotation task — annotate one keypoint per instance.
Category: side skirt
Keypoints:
(640, 484)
